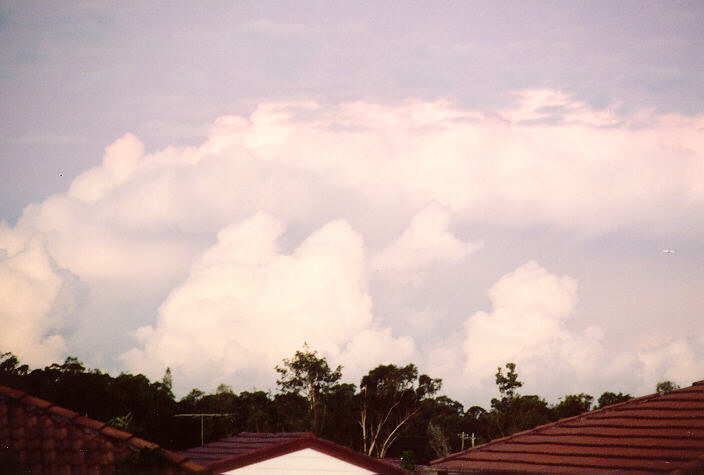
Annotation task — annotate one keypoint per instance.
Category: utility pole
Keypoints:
(222, 414)
(464, 436)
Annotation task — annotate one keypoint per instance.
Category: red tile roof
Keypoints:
(247, 448)
(37, 436)
(655, 433)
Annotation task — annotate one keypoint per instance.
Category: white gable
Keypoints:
(301, 461)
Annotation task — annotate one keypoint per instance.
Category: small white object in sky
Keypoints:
(669, 251)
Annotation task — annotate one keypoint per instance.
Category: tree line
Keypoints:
(394, 412)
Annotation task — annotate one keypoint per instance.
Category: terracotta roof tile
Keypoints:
(44, 438)
(35, 402)
(89, 423)
(649, 434)
(140, 444)
(62, 412)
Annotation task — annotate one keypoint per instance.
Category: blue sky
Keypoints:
(455, 184)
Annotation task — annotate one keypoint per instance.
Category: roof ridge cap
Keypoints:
(116, 429)
(176, 457)
(57, 410)
(12, 393)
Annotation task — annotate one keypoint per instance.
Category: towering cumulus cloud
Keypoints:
(530, 307)
(529, 325)
(38, 299)
(246, 304)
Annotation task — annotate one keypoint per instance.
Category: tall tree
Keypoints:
(513, 412)
(434, 432)
(309, 375)
(390, 397)
(508, 383)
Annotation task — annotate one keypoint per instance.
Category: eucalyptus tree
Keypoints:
(390, 396)
(310, 376)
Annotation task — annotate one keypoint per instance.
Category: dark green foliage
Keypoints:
(609, 398)
(99, 396)
(475, 421)
(125, 423)
(396, 406)
(292, 414)
(666, 387)
(249, 411)
(13, 374)
(509, 383)
(151, 404)
(340, 424)
(434, 431)
(510, 415)
(310, 376)
(390, 397)
(444, 425)
(408, 460)
(573, 405)
(513, 412)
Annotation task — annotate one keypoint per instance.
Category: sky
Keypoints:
(208, 186)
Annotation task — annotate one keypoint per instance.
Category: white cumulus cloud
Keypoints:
(530, 307)
(38, 299)
(528, 325)
(679, 360)
(246, 305)
(425, 242)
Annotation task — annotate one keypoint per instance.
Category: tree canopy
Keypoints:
(310, 376)
(608, 398)
(395, 412)
(665, 387)
(390, 397)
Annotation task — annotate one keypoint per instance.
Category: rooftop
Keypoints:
(655, 433)
(38, 436)
(242, 443)
(251, 447)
